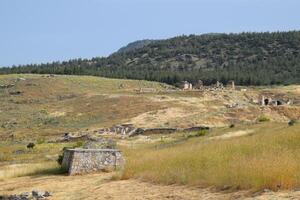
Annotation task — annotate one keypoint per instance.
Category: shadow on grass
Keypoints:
(50, 171)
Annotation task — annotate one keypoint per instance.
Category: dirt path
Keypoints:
(99, 186)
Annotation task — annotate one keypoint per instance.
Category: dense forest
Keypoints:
(248, 58)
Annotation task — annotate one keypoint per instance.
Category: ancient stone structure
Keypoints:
(219, 85)
(152, 131)
(269, 101)
(185, 85)
(199, 85)
(35, 194)
(231, 84)
(122, 129)
(147, 90)
(195, 128)
(79, 161)
(67, 137)
(130, 130)
(7, 86)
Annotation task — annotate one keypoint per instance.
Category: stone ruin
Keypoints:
(80, 161)
(68, 137)
(147, 90)
(130, 130)
(122, 129)
(152, 131)
(35, 194)
(48, 76)
(269, 101)
(5, 86)
(185, 85)
(231, 84)
(218, 85)
(100, 154)
(199, 85)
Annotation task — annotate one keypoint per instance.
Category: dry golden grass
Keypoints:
(44, 152)
(53, 106)
(18, 170)
(268, 158)
(100, 187)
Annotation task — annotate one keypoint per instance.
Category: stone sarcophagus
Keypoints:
(79, 161)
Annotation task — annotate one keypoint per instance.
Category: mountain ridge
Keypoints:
(248, 58)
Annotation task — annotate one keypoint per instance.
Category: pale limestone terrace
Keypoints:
(79, 161)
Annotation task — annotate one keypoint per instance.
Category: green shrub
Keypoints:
(51, 121)
(201, 133)
(60, 159)
(231, 126)
(40, 141)
(78, 144)
(263, 119)
(198, 133)
(292, 122)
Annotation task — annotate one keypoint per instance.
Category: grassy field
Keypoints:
(259, 151)
(246, 157)
(269, 157)
(50, 106)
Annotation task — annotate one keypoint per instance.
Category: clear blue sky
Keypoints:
(35, 31)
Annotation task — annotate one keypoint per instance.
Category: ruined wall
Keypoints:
(78, 161)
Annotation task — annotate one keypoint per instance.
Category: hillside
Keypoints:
(33, 106)
(248, 148)
(247, 58)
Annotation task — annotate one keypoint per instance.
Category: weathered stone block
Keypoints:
(78, 161)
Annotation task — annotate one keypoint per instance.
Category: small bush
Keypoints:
(263, 119)
(78, 144)
(60, 159)
(30, 145)
(51, 121)
(231, 126)
(61, 156)
(198, 134)
(292, 122)
(40, 141)
(201, 133)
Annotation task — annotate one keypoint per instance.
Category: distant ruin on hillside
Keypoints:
(273, 101)
(186, 85)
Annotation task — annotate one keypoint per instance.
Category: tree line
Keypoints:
(248, 58)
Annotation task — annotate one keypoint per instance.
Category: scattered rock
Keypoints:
(35, 194)
(68, 137)
(15, 93)
(38, 194)
(225, 187)
(20, 151)
(267, 190)
(7, 86)
(25, 195)
(130, 130)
